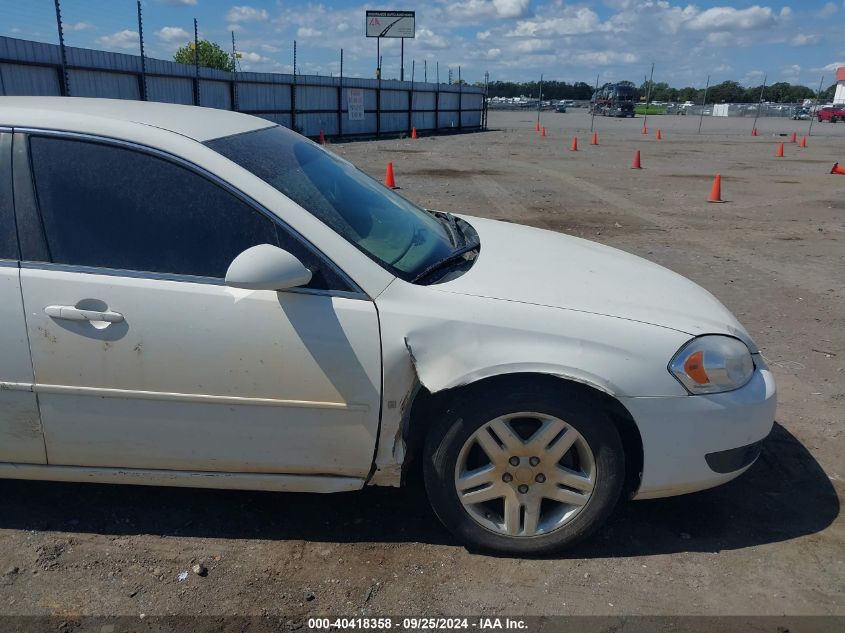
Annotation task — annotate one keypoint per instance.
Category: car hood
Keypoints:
(534, 266)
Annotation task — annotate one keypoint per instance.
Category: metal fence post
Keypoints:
(378, 101)
(460, 100)
(64, 84)
(234, 74)
(293, 92)
(437, 99)
(411, 97)
(196, 64)
(340, 98)
(143, 83)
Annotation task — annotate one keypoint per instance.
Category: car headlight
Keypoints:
(712, 364)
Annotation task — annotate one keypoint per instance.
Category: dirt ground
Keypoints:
(771, 542)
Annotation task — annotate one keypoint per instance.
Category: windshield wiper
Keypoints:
(446, 261)
(451, 224)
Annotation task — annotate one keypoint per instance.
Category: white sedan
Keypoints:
(195, 297)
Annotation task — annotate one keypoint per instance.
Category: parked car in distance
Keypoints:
(202, 298)
(831, 113)
(561, 107)
(801, 114)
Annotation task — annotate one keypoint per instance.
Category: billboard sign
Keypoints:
(391, 23)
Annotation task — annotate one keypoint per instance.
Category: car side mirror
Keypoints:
(267, 267)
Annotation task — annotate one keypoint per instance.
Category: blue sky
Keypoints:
(794, 41)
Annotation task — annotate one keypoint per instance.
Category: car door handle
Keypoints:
(72, 313)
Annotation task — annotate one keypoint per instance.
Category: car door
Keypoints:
(182, 372)
(21, 440)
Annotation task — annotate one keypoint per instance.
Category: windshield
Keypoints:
(398, 235)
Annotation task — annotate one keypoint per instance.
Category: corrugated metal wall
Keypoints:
(34, 68)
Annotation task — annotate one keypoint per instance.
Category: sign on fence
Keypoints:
(391, 23)
(721, 109)
(355, 103)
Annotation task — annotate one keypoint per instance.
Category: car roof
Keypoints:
(80, 113)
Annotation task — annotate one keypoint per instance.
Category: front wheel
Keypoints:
(527, 472)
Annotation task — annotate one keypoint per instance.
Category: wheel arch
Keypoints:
(427, 405)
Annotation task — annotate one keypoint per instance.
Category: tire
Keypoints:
(449, 446)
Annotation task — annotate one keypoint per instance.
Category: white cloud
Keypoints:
(306, 32)
(827, 10)
(246, 13)
(473, 10)
(78, 26)
(269, 48)
(482, 35)
(427, 39)
(182, 3)
(571, 21)
(253, 57)
(607, 58)
(719, 38)
(806, 39)
(729, 19)
(171, 34)
(121, 39)
(830, 67)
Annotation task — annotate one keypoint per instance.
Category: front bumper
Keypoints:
(682, 434)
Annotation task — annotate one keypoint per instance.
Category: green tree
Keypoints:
(726, 92)
(211, 55)
(827, 95)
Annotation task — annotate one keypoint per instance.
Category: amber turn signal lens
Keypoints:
(694, 366)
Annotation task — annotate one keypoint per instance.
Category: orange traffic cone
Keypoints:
(635, 164)
(803, 142)
(754, 131)
(595, 139)
(794, 138)
(537, 126)
(389, 180)
(645, 130)
(322, 138)
(414, 133)
(837, 169)
(658, 136)
(543, 131)
(780, 151)
(574, 146)
(716, 190)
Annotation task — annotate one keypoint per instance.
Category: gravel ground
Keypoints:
(770, 542)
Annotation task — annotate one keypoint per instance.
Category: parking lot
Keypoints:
(771, 542)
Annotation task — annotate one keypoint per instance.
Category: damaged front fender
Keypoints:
(444, 340)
